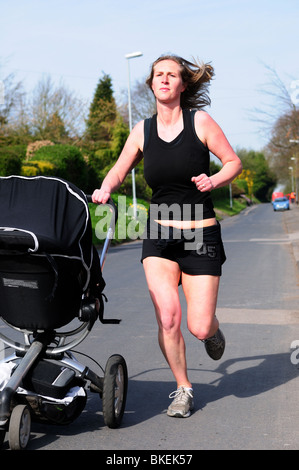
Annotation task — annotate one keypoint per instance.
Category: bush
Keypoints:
(220, 194)
(11, 160)
(100, 162)
(34, 168)
(34, 146)
(68, 163)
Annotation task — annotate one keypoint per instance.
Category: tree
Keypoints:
(12, 122)
(260, 179)
(119, 136)
(55, 128)
(55, 113)
(104, 158)
(48, 112)
(280, 101)
(102, 113)
(280, 151)
(280, 120)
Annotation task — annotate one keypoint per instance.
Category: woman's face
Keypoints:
(167, 83)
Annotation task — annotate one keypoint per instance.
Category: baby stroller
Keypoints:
(50, 277)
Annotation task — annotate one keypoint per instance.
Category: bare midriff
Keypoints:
(188, 224)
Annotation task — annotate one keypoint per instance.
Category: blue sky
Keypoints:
(75, 41)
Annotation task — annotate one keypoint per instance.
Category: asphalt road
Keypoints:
(246, 401)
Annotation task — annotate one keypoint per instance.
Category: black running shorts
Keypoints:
(197, 252)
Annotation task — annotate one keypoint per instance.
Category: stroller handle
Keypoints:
(111, 229)
(108, 203)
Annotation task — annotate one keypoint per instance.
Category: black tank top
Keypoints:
(169, 167)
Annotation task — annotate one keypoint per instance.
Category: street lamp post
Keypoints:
(132, 55)
(292, 177)
(294, 141)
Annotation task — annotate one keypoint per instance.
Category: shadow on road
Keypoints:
(240, 377)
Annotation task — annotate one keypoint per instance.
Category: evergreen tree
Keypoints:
(103, 159)
(102, 113)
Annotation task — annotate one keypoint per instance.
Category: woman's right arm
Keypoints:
(128, 159)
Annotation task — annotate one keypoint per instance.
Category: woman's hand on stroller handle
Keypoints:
(100, 196)
(109, 202)
(90, 198)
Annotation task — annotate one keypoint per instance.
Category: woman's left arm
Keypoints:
(210, 133)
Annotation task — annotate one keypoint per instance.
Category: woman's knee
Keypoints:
(203, 328)
(169, 320)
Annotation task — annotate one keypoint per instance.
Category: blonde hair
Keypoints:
(196, 77)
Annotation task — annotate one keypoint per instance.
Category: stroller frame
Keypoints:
(43, 346)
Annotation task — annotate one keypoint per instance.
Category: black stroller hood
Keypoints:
(53, 212)
(47, 259)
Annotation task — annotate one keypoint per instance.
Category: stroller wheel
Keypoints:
(115, 387)
(19, 427)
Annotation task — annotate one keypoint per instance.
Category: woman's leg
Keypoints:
(201, 294)
(162, 277)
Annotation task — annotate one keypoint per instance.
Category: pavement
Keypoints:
(291, 220)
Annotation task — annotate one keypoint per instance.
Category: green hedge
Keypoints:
(68, 163)
(11, 160)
